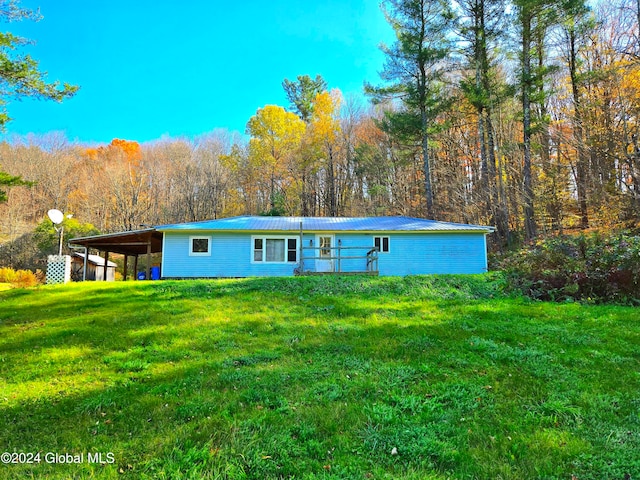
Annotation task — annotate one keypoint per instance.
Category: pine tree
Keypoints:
(415, 67)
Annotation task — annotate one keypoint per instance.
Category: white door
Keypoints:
(325, 263)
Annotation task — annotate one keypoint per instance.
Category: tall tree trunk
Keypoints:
(550, 196)
(581, 166)
(424, 120)
(529, 222)
(498, 195)
(481, 67)
(425, 162)
(333, 208)
(304, 195)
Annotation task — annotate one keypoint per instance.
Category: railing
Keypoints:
(370, 259)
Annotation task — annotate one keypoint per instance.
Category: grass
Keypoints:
(317, 378)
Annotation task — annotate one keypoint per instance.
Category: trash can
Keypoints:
(142, 275)
(155, 273)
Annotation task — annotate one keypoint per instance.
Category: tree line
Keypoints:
(523, 115)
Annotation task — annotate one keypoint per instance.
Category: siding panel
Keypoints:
(410, 254)
(230, 257)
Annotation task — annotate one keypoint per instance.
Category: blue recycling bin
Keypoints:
(142, 275)
(155, 273)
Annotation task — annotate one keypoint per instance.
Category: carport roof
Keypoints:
(135, 242)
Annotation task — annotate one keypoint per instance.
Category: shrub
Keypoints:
(18, 278)
(598, 268)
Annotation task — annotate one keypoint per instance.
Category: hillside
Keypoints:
(414, 378)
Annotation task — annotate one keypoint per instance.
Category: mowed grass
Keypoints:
(317, 378)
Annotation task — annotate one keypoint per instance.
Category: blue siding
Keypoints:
(418, 254)
(410, 254)
(413, 254)
(230, 257)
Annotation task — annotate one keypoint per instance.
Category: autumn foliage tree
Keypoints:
(120, 166)
(276, 136)
(323, 133)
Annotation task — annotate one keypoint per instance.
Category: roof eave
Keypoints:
(112, 235)
(315, 230)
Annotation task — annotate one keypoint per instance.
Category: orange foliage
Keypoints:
(127, 150)
(131, 150)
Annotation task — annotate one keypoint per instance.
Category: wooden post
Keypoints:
(106, 263)
(84, 264)
(148, 277)
(126, 265)
(135, 268)
(301, 251)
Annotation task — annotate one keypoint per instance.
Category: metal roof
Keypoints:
(135, 242)
(95, 259)
(321, 224)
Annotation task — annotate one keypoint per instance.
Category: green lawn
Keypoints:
(317, 378)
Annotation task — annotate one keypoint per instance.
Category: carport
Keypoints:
(130, 244)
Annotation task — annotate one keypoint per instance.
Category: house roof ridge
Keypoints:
(291, 223)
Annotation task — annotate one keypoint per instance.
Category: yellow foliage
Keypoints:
(325, 122)
(18, 278)
(275, 134)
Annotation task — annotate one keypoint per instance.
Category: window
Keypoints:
(199, 246)
(325, 247)
(292, 250)
(257, 249)
(382, 243)
(275, 250)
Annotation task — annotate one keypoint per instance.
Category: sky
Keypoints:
(149, 69)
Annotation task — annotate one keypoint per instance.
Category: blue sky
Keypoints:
(149, 69)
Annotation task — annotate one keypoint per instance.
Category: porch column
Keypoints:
(148, 277)
(106, 264)
(135, 268)
(126, 265)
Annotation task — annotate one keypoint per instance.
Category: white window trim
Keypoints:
(199, 254)
(264, 239)
(382, 243)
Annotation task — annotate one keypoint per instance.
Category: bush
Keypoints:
(597, 268)
(18, 278)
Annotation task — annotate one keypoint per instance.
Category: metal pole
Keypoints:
(60, 243)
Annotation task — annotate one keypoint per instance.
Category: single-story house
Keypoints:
(280, 246)
(255, 246)
(95, 268)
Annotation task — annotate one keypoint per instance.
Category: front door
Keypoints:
(325, 253)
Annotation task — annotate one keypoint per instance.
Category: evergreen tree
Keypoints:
(415, 67)
(480, 27)
(302, 93)
(19, 73)
(20, 77)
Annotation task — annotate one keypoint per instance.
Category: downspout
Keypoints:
(86, 256)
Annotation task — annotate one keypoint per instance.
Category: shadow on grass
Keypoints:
(337, 372)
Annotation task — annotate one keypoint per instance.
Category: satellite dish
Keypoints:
(56, 216)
